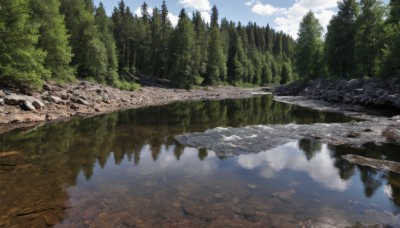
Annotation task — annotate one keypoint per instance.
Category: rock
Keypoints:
(374, 163)
(64, 97)
(392, 135)
(48, 117)
(54, 99)
(50, 219)
(1, 102)
(38, 104)
(47, 87)
(97, 110)
(99, 91)
(27, 106)
(6, 154)
(353, 134)
(286, 195)
(15, 99)
(2, 94)
(248, 211)
(218, 195)
(74, 107)
(7, 92)
(82, 101)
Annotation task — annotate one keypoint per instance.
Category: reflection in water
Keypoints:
(125, 169)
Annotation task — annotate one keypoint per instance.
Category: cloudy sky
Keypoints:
(282, 15)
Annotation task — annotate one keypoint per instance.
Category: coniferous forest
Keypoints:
(66, 39)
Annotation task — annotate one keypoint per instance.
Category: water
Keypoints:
(125, 169)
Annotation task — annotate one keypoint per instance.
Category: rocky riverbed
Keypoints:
(364, 92)
(83, 98)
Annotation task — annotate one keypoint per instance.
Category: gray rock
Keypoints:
(64, 97)
(47, 87)
(74, 107)
(27, 106)
(54, 99)
(14, 99)
(38, 104)
(82, 101)
(2, 94)
(354, 84)
(1, 102)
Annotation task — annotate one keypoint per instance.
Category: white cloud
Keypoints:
(320, 168)
(200, 5)
(288, 19)
(173, 18)
(206, 16)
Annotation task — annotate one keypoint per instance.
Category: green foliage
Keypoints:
(105, 27)
(309, 47)
(90, 53)
(181, 48)
(340, 40)
(54, 38)
(369, 37)
(287, 74)
(20, 60)
(125, 85)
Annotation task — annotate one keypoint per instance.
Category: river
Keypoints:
(125, 169)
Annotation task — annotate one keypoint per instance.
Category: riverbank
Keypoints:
(85, 99)
(382, 94)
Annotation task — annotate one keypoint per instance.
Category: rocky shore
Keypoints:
(364, 92)
(83, 99)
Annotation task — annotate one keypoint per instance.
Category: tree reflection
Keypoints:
(310, 147)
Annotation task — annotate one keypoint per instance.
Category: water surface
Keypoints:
(125, 169)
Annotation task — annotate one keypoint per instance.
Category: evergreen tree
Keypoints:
(235, 58)
(166, 29)
(90, 54)
(369, 36)
(20, 61)
(200, 54)
(216, 66)
(53, 39)
(105, 27)
(181, 48)
(287, 75)
(391, 50)
(340, 40)
(308, 50)
(156, 43)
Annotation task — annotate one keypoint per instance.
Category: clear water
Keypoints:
(125, 170)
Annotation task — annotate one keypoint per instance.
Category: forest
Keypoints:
(62, 40)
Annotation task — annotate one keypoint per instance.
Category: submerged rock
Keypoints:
(374, 163)
(227, 142)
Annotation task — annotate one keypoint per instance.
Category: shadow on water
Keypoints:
(124, 168)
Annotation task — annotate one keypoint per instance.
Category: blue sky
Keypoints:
(284, 15)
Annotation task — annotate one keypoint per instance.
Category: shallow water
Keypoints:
(125, 169)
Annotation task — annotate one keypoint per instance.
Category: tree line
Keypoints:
(64, 39)
(362, 39)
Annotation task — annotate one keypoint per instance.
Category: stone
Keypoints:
(1, 102)
(97, 110)
(286, 195)
(54, 99)
(38, 104)
(14, 99)
(10, 153)
(82, 101)
(50, 219)
(248, 211)
(47, 87)
(27, 106)
(218, 195)
(74, 107)
(2, 94)
(64, 97)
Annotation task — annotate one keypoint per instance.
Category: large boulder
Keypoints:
(27, 106)
(14, 99)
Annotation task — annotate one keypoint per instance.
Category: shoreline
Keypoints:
(83, 99)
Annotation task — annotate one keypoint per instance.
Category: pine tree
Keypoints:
(54, 38)
(166, 29)
(369, 36)
(20, 61)
(287, 75)
(340, 40)
(216, 66)
(309, 44)
(391, 58)
(235, 59)
(181, 48)
(105, 26)
(200, 54)
(90, 54)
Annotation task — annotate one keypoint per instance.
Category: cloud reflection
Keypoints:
(290, 157)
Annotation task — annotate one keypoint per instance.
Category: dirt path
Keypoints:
(84, 99)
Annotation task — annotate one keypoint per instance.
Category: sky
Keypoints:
(282, 15)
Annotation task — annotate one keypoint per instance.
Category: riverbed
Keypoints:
(127, 169)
